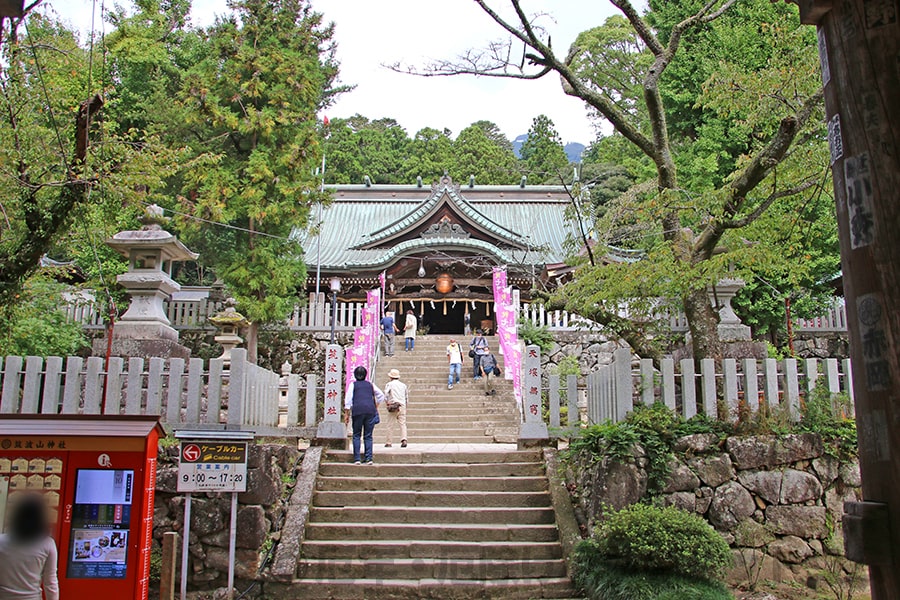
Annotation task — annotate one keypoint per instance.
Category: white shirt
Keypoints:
(24, 567)
(396, 391)
(454, 353)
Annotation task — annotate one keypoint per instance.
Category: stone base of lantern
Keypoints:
(146, 348)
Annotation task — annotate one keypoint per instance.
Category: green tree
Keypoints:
(34, 325)
(252, 102)
(477, 153)
(429, 155)
(543, 156)
(758, 145)
(55, 170)
(357, 148)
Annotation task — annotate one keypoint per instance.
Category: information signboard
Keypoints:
(212, 466)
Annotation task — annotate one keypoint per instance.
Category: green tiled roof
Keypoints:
(527, 223)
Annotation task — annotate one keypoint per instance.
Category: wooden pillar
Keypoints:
(859, 48)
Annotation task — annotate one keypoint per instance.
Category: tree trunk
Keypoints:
(704, 325)
(252, 342)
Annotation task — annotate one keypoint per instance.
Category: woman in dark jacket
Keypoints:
(361, 408)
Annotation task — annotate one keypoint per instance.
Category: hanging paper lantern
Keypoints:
(444, 283)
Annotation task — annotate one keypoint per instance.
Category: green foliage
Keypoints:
(600, 581)
(654, 428)
(663, 540)
(831, 417)
(725, 93)
(568, 365)
(543, 156)
(535, 335)
(477, 152)
(646, 553)
(34, 325)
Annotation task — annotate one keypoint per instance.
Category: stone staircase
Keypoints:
(459, 514)
(432, 525)
(438, 415)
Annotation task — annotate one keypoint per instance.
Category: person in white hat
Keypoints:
(397, 396)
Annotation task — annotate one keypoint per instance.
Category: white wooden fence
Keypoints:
(183, 394)
(194, 314)
(614, 390)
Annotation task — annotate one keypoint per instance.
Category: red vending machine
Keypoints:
(98, 474)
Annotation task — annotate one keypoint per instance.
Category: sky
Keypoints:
(371, 34)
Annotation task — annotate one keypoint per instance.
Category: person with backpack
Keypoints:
(477, 348)
(489, 371)
(397, 394)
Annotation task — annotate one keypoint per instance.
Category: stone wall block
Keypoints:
(798, 486)
(683, 500)
(771, 451)
(167, 479)
(697, 443)
(751, 565)
(246, 562)
(751, 534)
(731, 504)
(262, 488)
(681, 478)
(802, 521)
(790, 549)
(206, 517)
(252, 527)
(849, 473)
(827, 469)
(765, 484)
(712, 471)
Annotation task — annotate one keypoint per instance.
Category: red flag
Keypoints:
(325, 121)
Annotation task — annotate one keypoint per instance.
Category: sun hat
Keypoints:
(394, 374)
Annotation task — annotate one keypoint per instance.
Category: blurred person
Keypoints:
(409, 330)
(28, 554)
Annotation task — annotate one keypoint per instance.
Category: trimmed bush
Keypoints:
(667, 540)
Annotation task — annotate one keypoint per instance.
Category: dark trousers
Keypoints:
(363, 426)
(476, 363)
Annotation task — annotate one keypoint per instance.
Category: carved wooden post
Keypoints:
(859, 48)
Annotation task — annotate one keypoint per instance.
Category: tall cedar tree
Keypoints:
(253, 100)
(543, 156)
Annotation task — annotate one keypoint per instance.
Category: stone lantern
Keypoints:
(229, 322)
(144, 330)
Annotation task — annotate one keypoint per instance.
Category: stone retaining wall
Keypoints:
(777, 500)
(261, 512)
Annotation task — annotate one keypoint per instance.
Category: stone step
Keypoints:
(427, 589)
(428, 549)
(436, 498)
(408, 568)
(433, 514)
(460, 532)
(419, 456)
(529, 469)
(369, 481)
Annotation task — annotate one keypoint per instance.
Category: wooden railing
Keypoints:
(615, 389)
(185, 394)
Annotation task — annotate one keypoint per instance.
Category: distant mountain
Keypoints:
(517, 144)
(573, 149)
